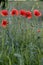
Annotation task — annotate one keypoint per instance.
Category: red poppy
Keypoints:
(38, 30)
(22, 12)
(37, 13)
(14, 12)
(28, 14)
(4, 13)
(4, 23)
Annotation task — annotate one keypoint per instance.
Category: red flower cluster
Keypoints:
(27, 14)
(22, 12)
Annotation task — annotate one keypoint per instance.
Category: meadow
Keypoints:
(21, 41)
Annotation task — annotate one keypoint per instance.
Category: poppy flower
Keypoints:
(4, 12)
(37, 13)
(38, 30)
(22, 12)
(4, 23)
(14, 12)
(28, 14)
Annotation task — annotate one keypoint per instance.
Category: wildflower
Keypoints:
(28, 14)
(4, 13)
(38, 30)
(14, 12)
(4, 23)
(22, 12)
(37, 13)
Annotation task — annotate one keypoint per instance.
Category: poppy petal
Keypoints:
(4, 12)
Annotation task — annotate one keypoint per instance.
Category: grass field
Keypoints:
(20, 43)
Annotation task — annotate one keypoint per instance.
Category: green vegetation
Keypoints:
(20, 43)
